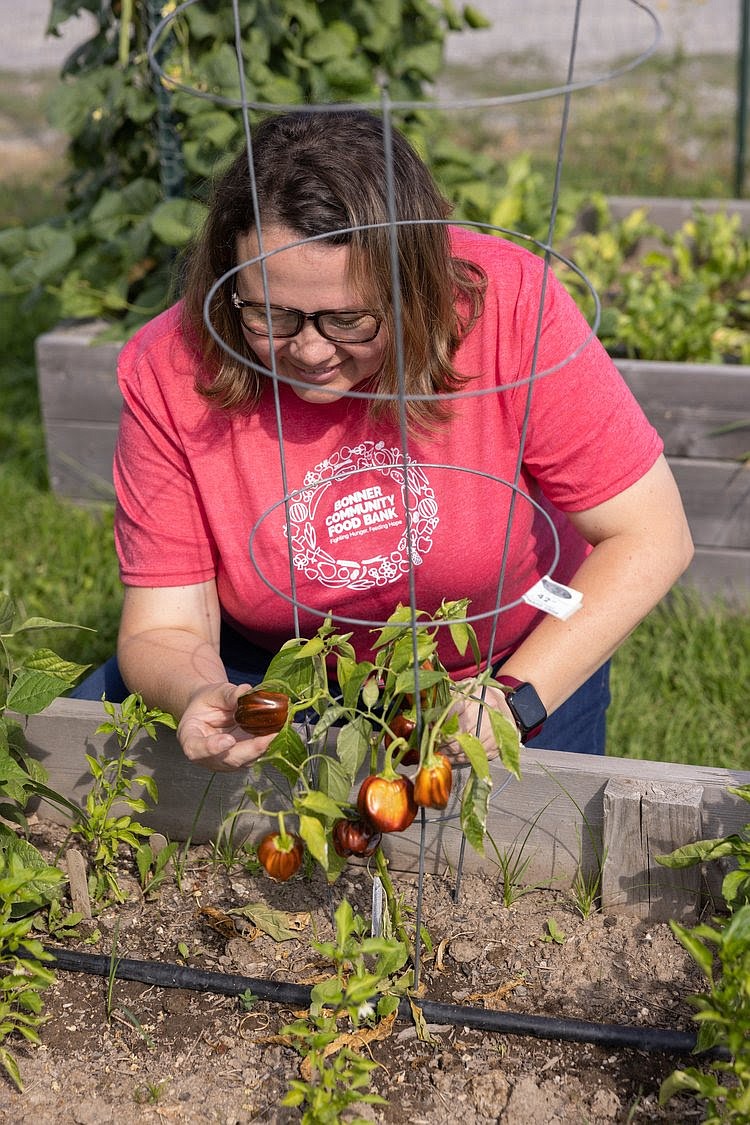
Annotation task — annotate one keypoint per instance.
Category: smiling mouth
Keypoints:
(317, 375)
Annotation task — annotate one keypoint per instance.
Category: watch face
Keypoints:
(527, 707)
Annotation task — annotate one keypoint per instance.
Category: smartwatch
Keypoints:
(525, 706)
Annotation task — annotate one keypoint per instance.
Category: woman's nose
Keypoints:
(310, 347)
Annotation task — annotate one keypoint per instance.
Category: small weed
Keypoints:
(553, 933)
(514, 862)
(153, 866)
(150, 1094)
(334, 1077)
(248, 1000)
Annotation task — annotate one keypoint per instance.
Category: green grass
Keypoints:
(666, 128)
(679, 686)
(56, 560)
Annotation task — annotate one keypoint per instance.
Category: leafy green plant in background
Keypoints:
(102, 826)
(27, 686)
(23, 972)
(141, 154)
(27, 883)
(722, 952)
(682, 297)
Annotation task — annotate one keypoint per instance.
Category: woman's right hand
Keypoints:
(210, 737)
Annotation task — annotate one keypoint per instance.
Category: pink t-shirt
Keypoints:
(201, 492)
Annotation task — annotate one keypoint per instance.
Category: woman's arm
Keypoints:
(168, 651)
(642, 544)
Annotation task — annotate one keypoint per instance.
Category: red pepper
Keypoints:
(387, 803)
(403, 728)
(354, 837)
(261, 712)
(281, 855)
(433, 783)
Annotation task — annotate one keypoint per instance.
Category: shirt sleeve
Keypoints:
(585, 436)
(162, 533)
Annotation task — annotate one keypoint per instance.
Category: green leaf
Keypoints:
(697, 950)
(508, 741)
(474, 806)
(33, 623)
(7, 613)
(337, 41)
(287, 753)
(33, 691)
(317, 804)
(474, 18)
(47, 253)
(177, 221)
(313, 833)
(44, 660)
(476, 753)
(353, 744)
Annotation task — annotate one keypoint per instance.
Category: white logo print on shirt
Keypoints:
(359, 496)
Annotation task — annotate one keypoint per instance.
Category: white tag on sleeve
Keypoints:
(554, 598)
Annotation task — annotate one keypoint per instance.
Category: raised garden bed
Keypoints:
(567, 813)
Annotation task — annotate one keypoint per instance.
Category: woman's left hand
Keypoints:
(468, 709)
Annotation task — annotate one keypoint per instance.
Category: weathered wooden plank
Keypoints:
(554, 815)
(716, 495)
(79, 459)
(670, 212)
(77, 376)
(689, 403)
(641, 821)
(720, 572)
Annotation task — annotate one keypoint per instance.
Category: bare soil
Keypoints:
(168, 1054)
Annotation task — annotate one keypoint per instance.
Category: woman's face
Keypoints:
(309, 277)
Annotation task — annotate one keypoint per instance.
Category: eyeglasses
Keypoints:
(348, 327)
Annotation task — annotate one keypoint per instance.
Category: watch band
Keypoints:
(525, 706)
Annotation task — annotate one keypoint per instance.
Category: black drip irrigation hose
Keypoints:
(165, 975)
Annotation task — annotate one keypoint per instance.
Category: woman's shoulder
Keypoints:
(161, 344)
(479, 246)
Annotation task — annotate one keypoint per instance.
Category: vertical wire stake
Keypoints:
(377, 907)
(459, 870)
(420, 896)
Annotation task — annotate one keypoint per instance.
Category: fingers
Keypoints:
(209, 735)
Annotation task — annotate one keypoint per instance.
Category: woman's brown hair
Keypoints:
(317, 174)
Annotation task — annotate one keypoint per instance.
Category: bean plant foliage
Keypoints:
(396, 708)
(143, 150)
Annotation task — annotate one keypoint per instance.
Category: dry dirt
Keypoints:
(168, 1054)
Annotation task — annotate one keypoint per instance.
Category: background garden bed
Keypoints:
(694, 407)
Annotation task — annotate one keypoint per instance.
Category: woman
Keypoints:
(300, 404)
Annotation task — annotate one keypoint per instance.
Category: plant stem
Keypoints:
(394, 909)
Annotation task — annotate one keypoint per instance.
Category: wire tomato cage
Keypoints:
(299, 502)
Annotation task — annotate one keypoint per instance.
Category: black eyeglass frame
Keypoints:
(302, 318)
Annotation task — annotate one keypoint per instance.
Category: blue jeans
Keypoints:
(578, 726)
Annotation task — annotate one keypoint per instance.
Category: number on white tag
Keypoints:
(554, 598)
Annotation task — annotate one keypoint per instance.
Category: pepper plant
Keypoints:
(395, 709)
(102, 824)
